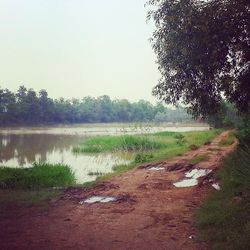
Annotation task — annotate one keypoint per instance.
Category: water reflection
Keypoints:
(23, 150)
(20, 147)
(28, 148)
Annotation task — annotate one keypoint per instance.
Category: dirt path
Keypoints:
(150, 213)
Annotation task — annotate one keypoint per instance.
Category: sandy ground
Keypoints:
(150, 212)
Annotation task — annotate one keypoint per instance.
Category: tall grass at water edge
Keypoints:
(154, 142)
(118, 143)
(170, 149)
(40, 175)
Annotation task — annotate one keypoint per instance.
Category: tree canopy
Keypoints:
(29, 107)
(203, 53)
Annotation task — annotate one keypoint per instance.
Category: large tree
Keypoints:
(203, 52)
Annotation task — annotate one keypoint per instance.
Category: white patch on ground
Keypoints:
(196, 173)
(186, 183)
(216, 186)
(192, 178)
(94, 199)
(156, 168)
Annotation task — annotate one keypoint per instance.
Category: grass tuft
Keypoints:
(40, 175)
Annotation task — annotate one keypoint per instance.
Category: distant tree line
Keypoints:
(29, 107)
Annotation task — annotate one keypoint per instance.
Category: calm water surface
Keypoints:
(20, 147)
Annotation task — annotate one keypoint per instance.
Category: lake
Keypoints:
(20, 147)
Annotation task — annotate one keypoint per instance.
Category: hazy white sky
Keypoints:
(75, 48)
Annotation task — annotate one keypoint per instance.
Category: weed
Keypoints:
(180, 139)
(140, 157)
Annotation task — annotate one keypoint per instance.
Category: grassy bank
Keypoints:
(150, 142)
(146, 148)
(117, 143)
(224, 219)
(38, 176)
(171, 147)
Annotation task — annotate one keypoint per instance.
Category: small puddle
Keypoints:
(94, 199)
(192, 178)
(156, 168)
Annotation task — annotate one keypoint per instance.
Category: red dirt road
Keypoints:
(151, 213)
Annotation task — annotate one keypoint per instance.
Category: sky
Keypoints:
(77, 48)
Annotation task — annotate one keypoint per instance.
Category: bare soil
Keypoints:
(150, 212)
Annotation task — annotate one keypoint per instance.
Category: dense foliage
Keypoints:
(28, 107)
(203, 52)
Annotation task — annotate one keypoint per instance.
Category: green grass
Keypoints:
(117, 143)
(167, 144)
(171, 150)
(153, 142)
(224, 218)
(229, 140)
(174, 148)
(40, 175)
(197, 159)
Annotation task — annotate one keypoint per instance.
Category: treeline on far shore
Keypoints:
(27, 107)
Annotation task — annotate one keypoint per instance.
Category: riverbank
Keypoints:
(150, 212)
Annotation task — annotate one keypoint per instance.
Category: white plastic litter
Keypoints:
(196, 173)
(94, 199)
(186, 183)
(216, 186)
(192, 178)
(156, 168)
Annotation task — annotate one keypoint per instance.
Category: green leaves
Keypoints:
(204, 43)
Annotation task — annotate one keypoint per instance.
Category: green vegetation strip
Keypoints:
(224, 219)
(39, 176)
(154, 142)
(118, 143)
(172, 148)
